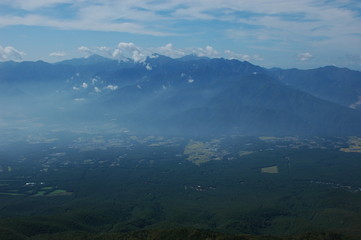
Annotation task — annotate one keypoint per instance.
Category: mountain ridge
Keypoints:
(192, 95)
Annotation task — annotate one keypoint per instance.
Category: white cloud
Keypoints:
(257, 57)
(87, 51)
(130, 50)
(356, 104)
(124, 51)
(170, 51)
(208, 51)
(57, 54)
(104, 51)
(10, 53)
(79, 99)
(232, 55)
(129, 46)
(97, 90)
(84, 85)
(244, 57)
(148, 67)
(304, 56)
(94, 80)
(111, 87)
(138, 56)
(116, 53)
(104, 48)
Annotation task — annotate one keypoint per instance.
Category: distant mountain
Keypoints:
(339, 85)
(260, 105)
(91, 60)
(28, 71)
(186, 96)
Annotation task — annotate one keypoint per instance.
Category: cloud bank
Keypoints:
(130, 51)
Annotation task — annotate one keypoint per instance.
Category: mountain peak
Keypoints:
(192, 57)
(89, 60)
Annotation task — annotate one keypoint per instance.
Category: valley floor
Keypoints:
(91, 186)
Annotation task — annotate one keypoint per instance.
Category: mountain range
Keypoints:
(194, 96)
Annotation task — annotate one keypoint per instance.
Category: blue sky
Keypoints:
(269, 33)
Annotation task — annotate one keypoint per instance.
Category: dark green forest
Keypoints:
(152, 187)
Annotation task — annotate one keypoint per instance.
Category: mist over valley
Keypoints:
(193, 96)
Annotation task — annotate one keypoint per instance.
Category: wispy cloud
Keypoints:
(113, 16)
(86, 51)
(244, 57)
(97, 90)
(10, 53)
(57, 54)
(304, 56)
(170, 51)
(304, 17)
(111, 87)
(33, 4)
(208, 51)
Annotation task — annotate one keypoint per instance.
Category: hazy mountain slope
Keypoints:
(191, 95)
(339, 85)
(260, 105)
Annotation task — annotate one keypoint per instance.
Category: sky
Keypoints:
(271, 33)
